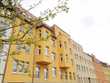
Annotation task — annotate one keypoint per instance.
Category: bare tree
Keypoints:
(11, 9)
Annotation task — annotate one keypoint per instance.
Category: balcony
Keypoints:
(43, 60)
(65, 65)
(61, 50)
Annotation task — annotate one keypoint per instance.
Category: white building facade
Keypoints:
(85, 71)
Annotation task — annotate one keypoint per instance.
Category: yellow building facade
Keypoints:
(43, 55)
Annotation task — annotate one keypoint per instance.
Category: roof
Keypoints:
(60, 29)
(45, 26)
(25, 15)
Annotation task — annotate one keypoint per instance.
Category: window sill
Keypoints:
(19, 73)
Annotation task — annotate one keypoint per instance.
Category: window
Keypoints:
(66, 75)
(21, 29)
(80, 57)
(18, 47)
(26, 66)
(45, 73)
(74, 76)
(70, 75)
(27, 49)
(61, 58)
(77, 67)
(37, 71)
(45, 34)
(70, 51)
(46, 51)
(72, 61)
(76, 56)
(14, 66)
(20, 67)
(66, 58)
(60, 44)
(30, 30)
(3, 33)
(53, 42)
(2, 65)
(65, 44)
(24, 47)
(53, 56)
(40, 33)
(54, 72)
(38, 50)
(61, 74)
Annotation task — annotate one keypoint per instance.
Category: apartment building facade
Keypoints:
(85, 71)
(47, 55)
(101, 77)
(47, 59)
(106, 69)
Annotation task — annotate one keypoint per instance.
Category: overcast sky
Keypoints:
(88, 23)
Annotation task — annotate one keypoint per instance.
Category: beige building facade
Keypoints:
(85, 72)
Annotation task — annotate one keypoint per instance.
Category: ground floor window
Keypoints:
(70, 75)
(54, 72)
(20, 66)
(14, 66)
(37, 71)
(66, 75)
(45, 73)
(61, 74)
